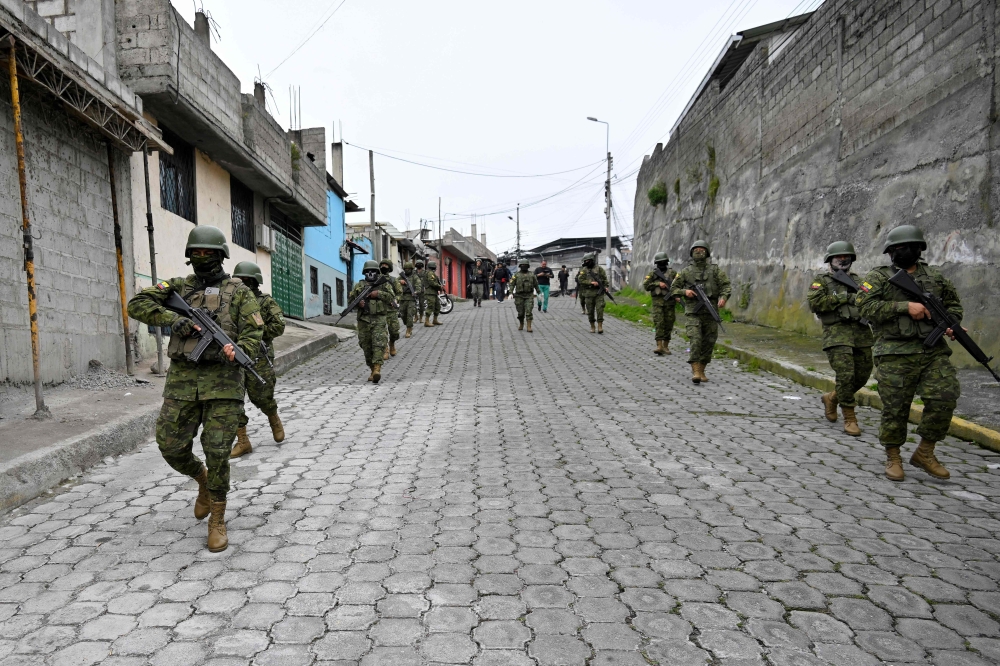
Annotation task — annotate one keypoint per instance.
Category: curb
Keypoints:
(28, 476)
(960, 428)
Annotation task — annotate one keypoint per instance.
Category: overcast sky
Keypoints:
(500, 88)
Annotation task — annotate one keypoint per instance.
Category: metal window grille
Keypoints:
(313, 280)
(340, 292)
(177, 178)
(327, 300)
(241, 199)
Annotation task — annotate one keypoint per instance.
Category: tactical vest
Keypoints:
(522, 283)
(848, 311)
(585, 277)
(215, 300)
(669, 275)
(706, 278)
(905, 327)
(405, 293)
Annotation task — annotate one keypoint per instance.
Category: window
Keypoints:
(385, 245)
(241, 199)
(327, 300)
(340, 292)
(177, 178)
(313, 280)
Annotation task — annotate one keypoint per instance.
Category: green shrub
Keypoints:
(658, 194)
(713, 189)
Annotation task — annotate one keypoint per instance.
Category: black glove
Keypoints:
(183, 327)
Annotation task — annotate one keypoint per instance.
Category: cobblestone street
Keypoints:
(506, 499)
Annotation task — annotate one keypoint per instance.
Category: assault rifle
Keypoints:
(409, 285)
(841, 276)
(704, 303)
(263, 348)
(607, 292)
(663, 278)
(210, 332)
(944, 319)
(362, 296)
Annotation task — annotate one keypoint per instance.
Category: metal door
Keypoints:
(327, 300)
(286, 268)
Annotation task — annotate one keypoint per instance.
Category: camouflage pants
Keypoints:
(178, 424)
(408, 310)
(392, 322)
(421, 304)
(853, 367)
(664, 317)
(702, 332)
(433, 303)
(373, 338)
(593, 304)
(261, 395)
(524, 303)
(900, 377)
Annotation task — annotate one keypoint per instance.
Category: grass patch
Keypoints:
(636, 313)
(810, 368)
(642, 297)
(753, 366)
(657, 194)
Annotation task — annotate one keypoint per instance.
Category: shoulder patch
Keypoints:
(815, 285)
(257, 319)
(866, 287)
(162, 284)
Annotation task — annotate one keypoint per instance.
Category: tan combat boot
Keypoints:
(243, 445)
(893, 464)
(925, 459)
(371, 372)
(427, 321)
(217, 539)
(392, 348)
(695, 377)
(277, 430)
(520, 324)
(409, 331)
(376, 373)
(667, 352)
(600, 327)
(850, 421)
(593, 327)
(659, 348)
(529, 326)
(830, 405)
(436, 322)
(701, 373)
(202, 504)
(385, 354)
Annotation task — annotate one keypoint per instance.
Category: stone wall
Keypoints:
(868, 116)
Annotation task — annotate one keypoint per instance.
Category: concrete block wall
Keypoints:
(263, 135)
(875, 114)
(79, 314)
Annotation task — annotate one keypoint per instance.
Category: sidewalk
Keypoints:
(104, 413)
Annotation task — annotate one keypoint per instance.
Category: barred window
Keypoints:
(340, 292)
(177, 178)
(241, 198)
(313, 280)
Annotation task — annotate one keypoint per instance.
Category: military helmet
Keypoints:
(700, 243)
(660, 256)
(206, 238)
(589, 256)
(838, 248)
(432, 264)
(386, 262)
(248, 269)
(408, 266)
(370, 265)
(906, 233)
(524, 262)
(420, 263)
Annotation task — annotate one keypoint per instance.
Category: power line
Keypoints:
(312, 34)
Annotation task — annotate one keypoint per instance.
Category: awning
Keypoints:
(357, 249)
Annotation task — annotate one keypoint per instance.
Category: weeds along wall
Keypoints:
(869, 115)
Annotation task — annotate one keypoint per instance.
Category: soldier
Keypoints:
(208, 393)
(261, 395)
(591, 283)
(657, 283)
(407, 302)
(846, 340)
(478, 279)
(421, 301)
(702, 331)
(432, 285)
(392, 317)
(905, 366)
(523, 286)
(373, 335)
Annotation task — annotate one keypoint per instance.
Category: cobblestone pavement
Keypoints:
(506, 498)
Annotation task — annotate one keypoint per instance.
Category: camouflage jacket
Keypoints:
(886, 307)
(837, 309)
(213, 378)
(274, 320)
(588, 275)
(373, 307)
(661, 296)
(397, 289)
(431, 282)
(414, 280)
(523, 284)
(710, 276)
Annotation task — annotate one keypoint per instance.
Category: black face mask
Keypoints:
(589, 263)
(904, 256)
(371, 276)
(384, 269)
(662, 265)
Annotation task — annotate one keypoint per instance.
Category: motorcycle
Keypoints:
(447, 305)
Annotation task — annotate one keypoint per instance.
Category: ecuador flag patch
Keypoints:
(866, 287)
(815, 285)
(162, 284)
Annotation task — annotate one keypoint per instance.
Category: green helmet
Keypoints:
(840, 247)
(420, 263)
(386, 262)
(408, 266)
(524, 262)
(660, 256)
(248, 269)
(370, 265)
(589, 256)
(700, 243)
(906, 233)
(206, 238)
(432, 265)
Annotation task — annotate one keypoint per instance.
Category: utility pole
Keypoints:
(607, 200)
(518, 253)
(440, 244)
(371, 233)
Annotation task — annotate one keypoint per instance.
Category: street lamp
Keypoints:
(607, 197)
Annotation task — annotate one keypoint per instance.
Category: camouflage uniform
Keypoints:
(701, 329)
(209, 393)
(392, 316)
(262, 395)
(904, 366)
(664, 312)
(373, 334)
(592, 297)
(523, 287)
(421, 274)
(407, 302)
(846, 341)
(432, 285)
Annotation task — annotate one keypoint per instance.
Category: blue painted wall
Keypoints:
(322, 250)
(360, 259)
